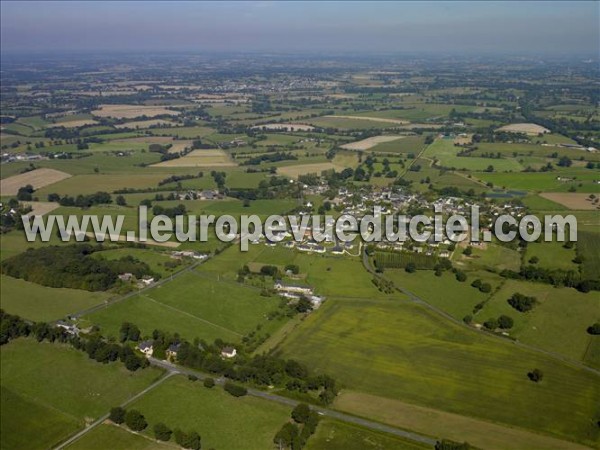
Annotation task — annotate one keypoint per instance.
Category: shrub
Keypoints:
(162, 432)
(491, 324)
(235, 390)
(461, 276)
(535, 375)
(505, 322)
(594, 329)
(135, 420)
(522, 303)
(209, 382)
(117, 415)
(301, 413)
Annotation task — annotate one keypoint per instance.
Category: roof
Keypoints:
(145, 345)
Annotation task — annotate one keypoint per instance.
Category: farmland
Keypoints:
(411, 344)
(75, 390)
(37, 178)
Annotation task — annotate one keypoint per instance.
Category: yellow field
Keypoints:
(132, 111)
(366, 144)
(441, 424)
(527, 128)
(571, 200)
(37, 178)
(200, 158)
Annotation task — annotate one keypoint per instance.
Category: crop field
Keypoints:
(73, 123)
(37, 178)
(294, 171)
(193, 305)
(334, 435)
(132, 111)
(527, 128)
(441, 424)
(555, 324)
(403, 351)
(200, 158)
(41, 303)
(570, 200)
(213, 413)
(290, 127)
(89, 184)
(408, 144)
(582, 181)
(353, 123)
(371, 142)
(75, 389)
(446, 153)
(114, 437)
(141, 124)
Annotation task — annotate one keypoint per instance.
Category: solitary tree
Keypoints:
(135, 420)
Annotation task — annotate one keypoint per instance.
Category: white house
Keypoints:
(228, 352)
(146, 348)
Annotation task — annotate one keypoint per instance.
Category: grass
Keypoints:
(408, 144)
(193, 305)
(557, 324)
(115, 437)
(155, 259)
(53, 383)
(40, 303)
(545, 182)
(552, 255)
(334, 435)
(403, 351)
(446, 153)
(223, 421)
(588, 246)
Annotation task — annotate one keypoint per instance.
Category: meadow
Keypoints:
(214, 413)
(108, 435)
(74, 391)
(193, 305)
(582, 180)
(40, 303)
(402, 351)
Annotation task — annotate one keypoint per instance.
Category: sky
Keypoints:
(455, 27)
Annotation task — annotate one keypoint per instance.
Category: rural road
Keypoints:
(98, 421)
(290, 402)
(160, 282)
(417, 299)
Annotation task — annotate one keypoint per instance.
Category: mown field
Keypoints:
(403, 351)
(223, 421)
(40, 303)
(51, 390)
(116, 438)
(446, 153)
(193, 305)
(334, 435)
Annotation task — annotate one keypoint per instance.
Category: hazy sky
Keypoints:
(451, 26)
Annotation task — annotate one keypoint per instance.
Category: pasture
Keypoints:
(40, 303)
(402, 351)
(74, 391)
(551, 255)
(558, 322)
(37, 178)
(214, 414)
(527, 128)
(557, 181)
(444, 151)
(334, 435)
(115, 437)
(193, 305)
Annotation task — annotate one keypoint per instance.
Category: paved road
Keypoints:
(415, 298)
(290, 402)
(89, 428)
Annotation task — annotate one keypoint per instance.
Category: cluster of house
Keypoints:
(180, 254)
(208, 194)
(296, 291)
(147, 348)
(11, 157)
(145, 281)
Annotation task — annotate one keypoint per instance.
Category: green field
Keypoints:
(545, 182)
(402, 351)
(45, 384)
(446, 153)
(557, 324)
(40, 303)
(333, 435)
(109, 436)
(588, 246)
(223, 421)
(193, 305)
(552, 255)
